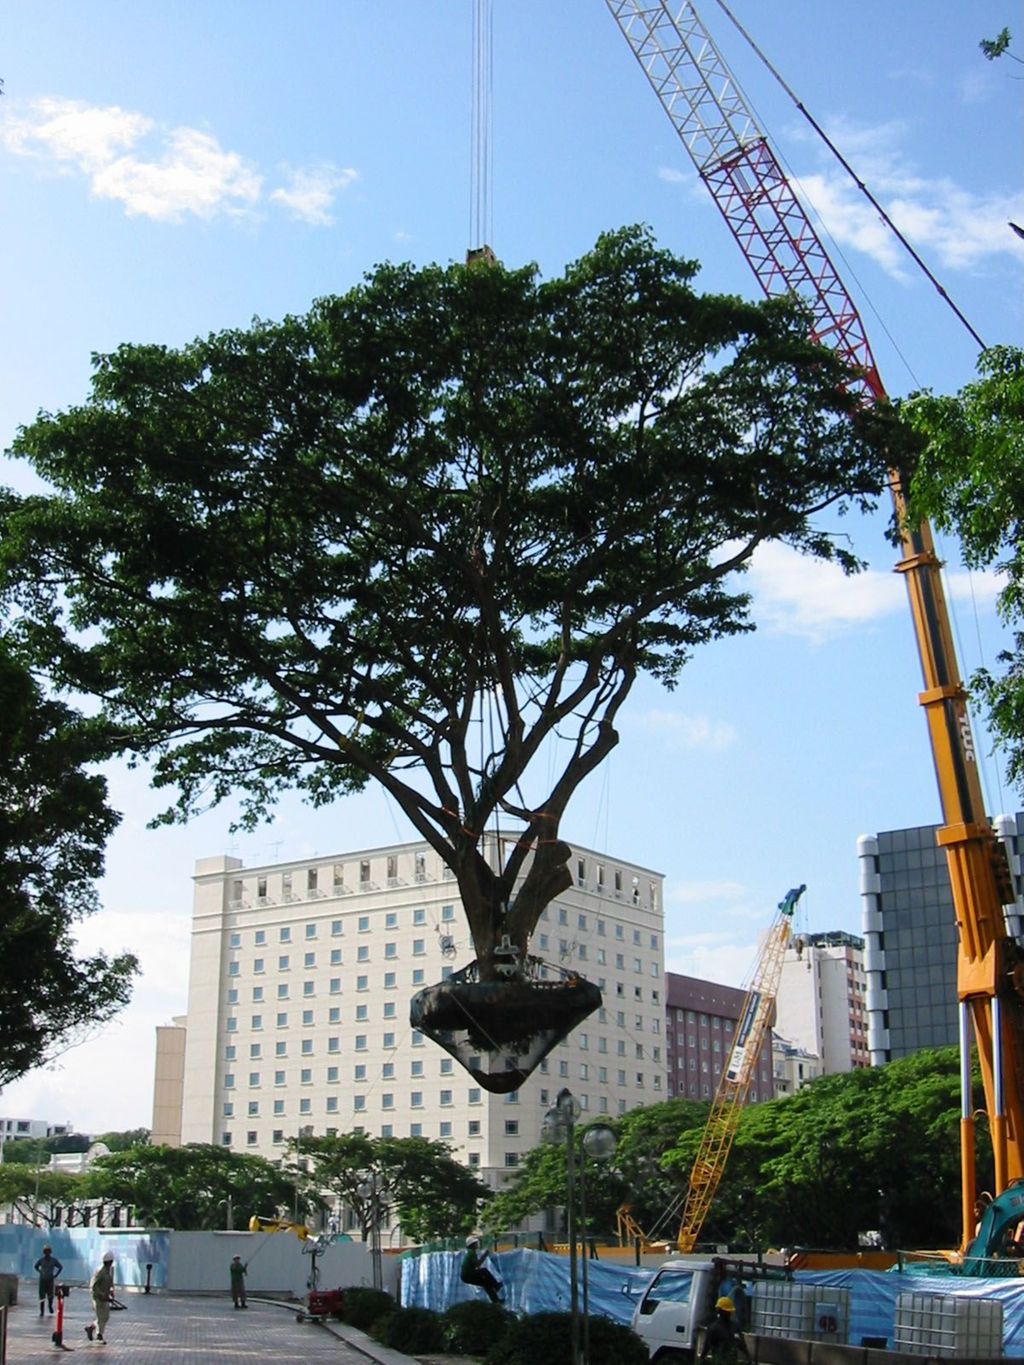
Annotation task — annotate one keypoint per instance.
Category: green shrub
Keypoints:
(363, 1306)
(414, 1331)
(470, 1328)
(546, 1339)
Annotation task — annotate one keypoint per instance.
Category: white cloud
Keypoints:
(165, 174)
(71, 133)
(679, 731)
(674, 176)
(194, 175)
(797, 595)
(311, 192)
(956, 228)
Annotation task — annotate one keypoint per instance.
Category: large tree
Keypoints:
(200, 1187)
(969, 480)
(432, 1194)
(428, 528)
(54, 824)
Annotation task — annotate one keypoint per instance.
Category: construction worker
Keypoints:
(236, 1271)
(723, 1342)
(473, 1270)
(101, 1287)
(47, 1268)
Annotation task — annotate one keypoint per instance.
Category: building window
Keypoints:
(254, 1078)
(389, 1009)
(229, 1110)
(419, 917)
(511, 1158)
(418, 947)
(473, 1160)
(511, 1127)
(359, 1103)
(387, 1100)
(415, 1129)
(473, 1095)
(388, 1040)
(389, 981)
(362, 1013)
(305, 1106)
(279, 1107)
(260, 937)
(255, 1049)
(362, 983)
(282, 991)
(363, 952)
(234, 969)
(333, 1044)
(360, 1042)
(225, 1139)
(308, 988)
(446, 1097)
(416, 1099)
(336, 928)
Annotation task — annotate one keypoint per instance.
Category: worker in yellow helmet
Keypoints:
(723, 1341)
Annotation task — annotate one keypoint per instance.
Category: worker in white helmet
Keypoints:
(474, 1271)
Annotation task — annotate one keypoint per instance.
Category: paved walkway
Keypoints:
(164, 1329)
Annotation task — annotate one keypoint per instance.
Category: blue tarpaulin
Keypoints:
(536, 1282)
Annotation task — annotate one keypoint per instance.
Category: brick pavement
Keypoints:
(167, 1329)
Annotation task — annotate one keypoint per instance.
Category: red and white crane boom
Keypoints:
(735, 161)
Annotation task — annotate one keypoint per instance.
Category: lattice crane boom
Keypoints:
(754, 1029)
(735, 161)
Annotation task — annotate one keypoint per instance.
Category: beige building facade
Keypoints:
(298, 1008)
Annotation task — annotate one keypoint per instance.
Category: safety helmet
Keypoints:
(108, 1256)
(47, 1247)
(725, 1305)
(472, 1241)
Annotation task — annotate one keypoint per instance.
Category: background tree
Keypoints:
(874, 1149)
(54, 823)
(637, 1176)
(188, 1188)
(969, 480)
(35, 1193)
(121, 1139)
(318, 553)
(434, 1196)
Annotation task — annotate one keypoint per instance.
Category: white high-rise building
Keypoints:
(298, 1008)
(821, 1004)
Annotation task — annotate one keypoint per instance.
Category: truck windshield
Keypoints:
(670, 1286)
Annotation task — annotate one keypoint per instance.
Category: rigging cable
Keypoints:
(480, 223)
(922, 266)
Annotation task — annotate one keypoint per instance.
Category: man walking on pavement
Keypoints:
(101, 1287)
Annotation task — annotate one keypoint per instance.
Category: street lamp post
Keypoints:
(560, 1126)
(370, 1190)
(599, 1144)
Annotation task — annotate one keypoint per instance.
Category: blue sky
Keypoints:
(174, 170)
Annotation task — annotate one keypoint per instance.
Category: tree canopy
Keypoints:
(426, 529)
(54, 824)
(434, 1196)
(969, 480)
(870, 1150)
(200, 1187)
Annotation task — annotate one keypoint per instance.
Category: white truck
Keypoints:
(680, 1300)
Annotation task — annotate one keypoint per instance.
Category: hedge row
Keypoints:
(486, 1330)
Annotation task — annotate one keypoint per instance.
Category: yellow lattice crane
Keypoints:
(737, 1078)
(756, 1019)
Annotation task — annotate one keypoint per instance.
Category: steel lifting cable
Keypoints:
(481, 124)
